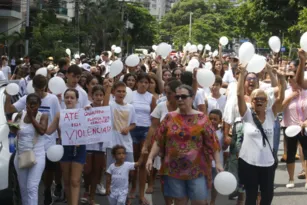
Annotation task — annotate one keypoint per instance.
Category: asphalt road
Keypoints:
(282, 196)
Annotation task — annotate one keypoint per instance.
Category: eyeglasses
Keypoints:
(259, 99)
(183, 97)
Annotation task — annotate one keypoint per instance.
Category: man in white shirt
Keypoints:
(106, 62)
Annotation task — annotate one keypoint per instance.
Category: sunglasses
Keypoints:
(251, 78)
(259, 99)
(183, 97)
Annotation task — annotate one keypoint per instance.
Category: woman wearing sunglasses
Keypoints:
(187, 141)
(256, 159)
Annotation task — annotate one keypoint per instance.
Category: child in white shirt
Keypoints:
(118, 176)
(215, 117)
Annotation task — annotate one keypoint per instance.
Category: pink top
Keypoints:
(296, 111)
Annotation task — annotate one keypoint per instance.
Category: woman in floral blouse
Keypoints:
(187, 142)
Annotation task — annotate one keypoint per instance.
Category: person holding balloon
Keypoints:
(256, 159)
(187, 142)
(32, 126)
(294, 115)
(50, 106)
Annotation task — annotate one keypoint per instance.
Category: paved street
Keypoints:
(283, 196)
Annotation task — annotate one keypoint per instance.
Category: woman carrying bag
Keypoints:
(30, 156)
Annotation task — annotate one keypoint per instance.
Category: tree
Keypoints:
(211, 20)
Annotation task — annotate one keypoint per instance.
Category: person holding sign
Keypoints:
(74, 157)
(94, 160)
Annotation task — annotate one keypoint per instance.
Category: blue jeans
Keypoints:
(276, 138)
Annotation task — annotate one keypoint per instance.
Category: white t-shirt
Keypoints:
(220, 135)
(199, 98)
(228, 77)
(6, 71)
(23, 85)
(141, 104)
(50, 106)
(160, 111)
(252, 151)
(214, 103)
(122, 117)
(82, 101)
(120, 178)
(2, 76)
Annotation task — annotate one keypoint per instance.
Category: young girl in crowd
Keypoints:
(143, 103)
(74, 156)
(95, 158)
(118, 176)
(215, 116)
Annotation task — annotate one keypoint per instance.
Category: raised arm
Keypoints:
(8, 107)
(300, 71)
(277, 106)
(240, 91)
(106, 98)
(159, 74)
(221, 53)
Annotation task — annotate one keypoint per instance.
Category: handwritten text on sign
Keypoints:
(80, 127)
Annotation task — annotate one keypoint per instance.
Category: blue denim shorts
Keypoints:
(194, 189)
(72, 155)
(139, 134)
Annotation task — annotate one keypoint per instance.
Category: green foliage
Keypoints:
(210, 20)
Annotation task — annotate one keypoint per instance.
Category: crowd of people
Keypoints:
(173, 129)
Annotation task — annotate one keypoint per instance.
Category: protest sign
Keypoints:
(80, 126)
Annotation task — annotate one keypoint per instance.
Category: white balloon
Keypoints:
(57, 85)
(132, 60)
(188, 45)
(303, 42)
(275, 44)
(246, 52)
(55, 153)
(42, 71)
(30, 88)
(205, 77)
(210, 53)
(223, 91)
(76, 56)
(12, 89)
(256, 64)
(225, 183)
(215, 53)
(208, 65)
(293, 130)
(193, 49)
(189, 69)
(223, 40)
(164, 50)
(117, 50)
(200, 47)
(207, 47)
(68, 51)
(113, 47)
(50, 67)
(194, 63)
(154, 47)
(97, 57)
(116, 68)
(145, 52)
(129, 95)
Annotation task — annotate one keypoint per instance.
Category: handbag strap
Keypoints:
(259, 126)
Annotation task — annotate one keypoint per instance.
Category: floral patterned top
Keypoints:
(187, 143)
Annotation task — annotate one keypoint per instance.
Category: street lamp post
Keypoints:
(190, 29)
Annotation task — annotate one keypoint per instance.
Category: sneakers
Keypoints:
(100, 189)
(84, 198)
(48, 198)
(290, 185)
(301, 175)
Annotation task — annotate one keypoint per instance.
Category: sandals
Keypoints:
(149, 191)
(144, 201)
(301, 175)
